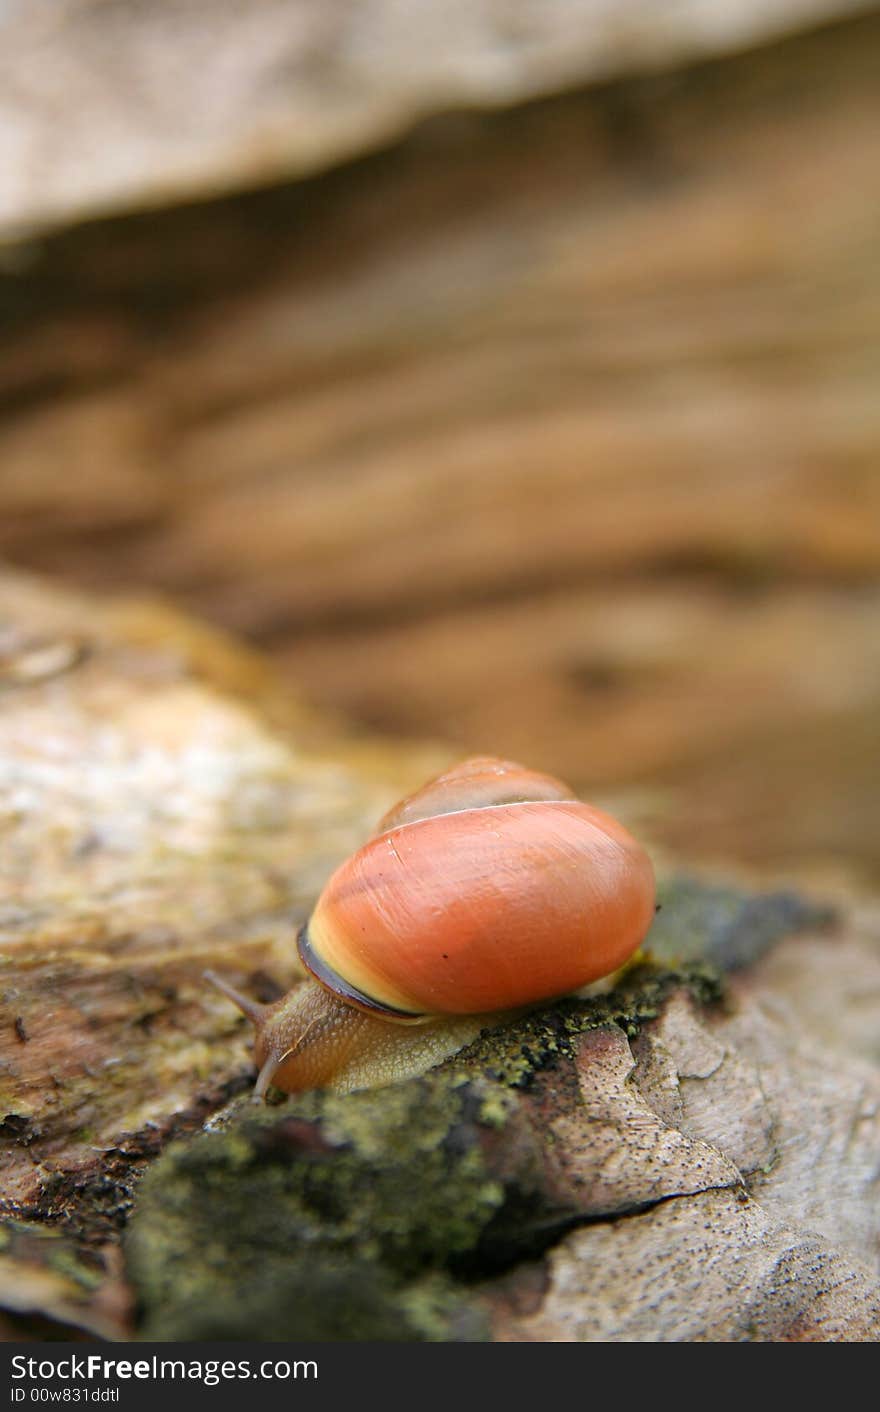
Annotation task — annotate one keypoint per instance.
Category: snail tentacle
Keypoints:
(252, 1008)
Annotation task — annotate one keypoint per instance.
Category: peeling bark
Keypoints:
(710, 1268)
(691, 1155)
(152, 824)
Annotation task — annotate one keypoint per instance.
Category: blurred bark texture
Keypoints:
(691, 1156)
(551, 431)
(288, 86)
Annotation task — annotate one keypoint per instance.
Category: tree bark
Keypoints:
(551, 431)
(283, 89)
(705, 1134)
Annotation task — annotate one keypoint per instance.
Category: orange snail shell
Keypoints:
(491, 889)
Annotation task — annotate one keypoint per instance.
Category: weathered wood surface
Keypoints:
(552, 433)
(164, 807)
(653, 1167)
(152, 823)
(208, 95)
(792, 1254)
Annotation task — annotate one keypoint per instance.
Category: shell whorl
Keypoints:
(478, 783)
(491, 888)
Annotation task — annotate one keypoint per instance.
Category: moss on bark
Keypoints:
(374, 1215)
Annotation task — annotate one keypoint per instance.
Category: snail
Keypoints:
(490, 890)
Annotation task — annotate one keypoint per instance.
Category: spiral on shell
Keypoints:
(491, 889)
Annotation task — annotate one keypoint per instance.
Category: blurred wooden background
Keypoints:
(551, 431)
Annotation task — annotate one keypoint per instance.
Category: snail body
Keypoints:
(490, 890)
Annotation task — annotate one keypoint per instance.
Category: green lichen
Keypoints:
(514, 1054)
(360, 1197)
(371, 1215)
(357, 1216)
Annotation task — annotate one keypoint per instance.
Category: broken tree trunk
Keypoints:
(690, 1156)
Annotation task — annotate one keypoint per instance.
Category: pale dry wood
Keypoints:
(710, 1269)
(153, 822)
(208, 95)
(792, 1251)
